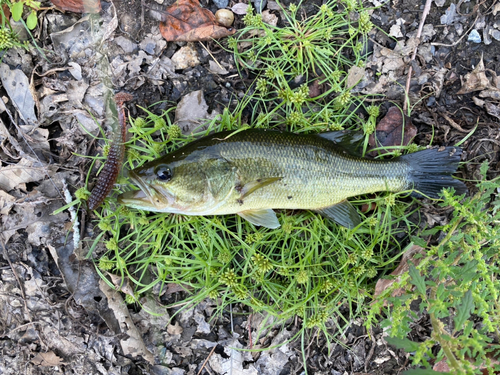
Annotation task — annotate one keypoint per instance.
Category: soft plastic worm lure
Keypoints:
(111, 169)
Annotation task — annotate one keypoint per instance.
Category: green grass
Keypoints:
(309, 267)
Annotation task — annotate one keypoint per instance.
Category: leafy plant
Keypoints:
(17, 10)
(457, 284)
(309, 267)
(320, 51)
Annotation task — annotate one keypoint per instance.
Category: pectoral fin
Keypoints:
(250, 187)
(342, 213)
(264, 218)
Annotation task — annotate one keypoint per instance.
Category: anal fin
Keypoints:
(342, 213)
(265, 218)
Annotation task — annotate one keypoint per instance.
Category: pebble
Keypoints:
(186, 57)
(449, 15)
(126, 44)
(474, 37)
(221, 3)
(259, 5)
(495, 34)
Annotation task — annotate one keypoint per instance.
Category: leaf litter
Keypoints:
(35, 243)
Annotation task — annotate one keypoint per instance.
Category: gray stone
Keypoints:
(126, 44)
(221, 3)
(474, 36)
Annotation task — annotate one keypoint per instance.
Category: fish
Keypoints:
(254, 171)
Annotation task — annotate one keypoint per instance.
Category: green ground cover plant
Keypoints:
(8, 36)
(456, 283)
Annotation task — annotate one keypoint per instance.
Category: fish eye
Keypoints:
(163, 173)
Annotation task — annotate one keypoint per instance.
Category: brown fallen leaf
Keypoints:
(78, 6)
(383, 284)
(187, 21)
(392, 130)
(6, 12)
(476, 80)
(47, 359)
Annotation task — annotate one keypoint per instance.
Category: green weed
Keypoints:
(456, 283)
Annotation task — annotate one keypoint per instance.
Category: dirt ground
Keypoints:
(57, 315)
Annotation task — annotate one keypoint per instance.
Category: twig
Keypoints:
(74, 216)
(249, 327)
(206, 360)
(458, 41)
(427, 8)
(453, 123)
(210, 53)
(372, 349)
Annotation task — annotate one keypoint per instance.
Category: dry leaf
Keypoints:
(78, 6)
(476, 80)
(240, 8)
(174, 329)
(187, 21)
(47, 359)
(492, 109)
(383, 284)
(392, 130)
(6, 12)
(354, 75)
(122, 284)
(11, 176)
(269, 18)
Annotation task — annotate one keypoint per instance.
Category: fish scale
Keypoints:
(315, 172)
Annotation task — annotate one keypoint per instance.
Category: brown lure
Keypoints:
(111, 169)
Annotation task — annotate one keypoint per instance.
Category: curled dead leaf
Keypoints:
(409, 255)
(47, 359)
(187, 21)
(476, 80)
(393, 130)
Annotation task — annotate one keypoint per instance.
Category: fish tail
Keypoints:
(431, 170)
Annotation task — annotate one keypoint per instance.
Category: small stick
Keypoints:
(427, 8)
(206, 360)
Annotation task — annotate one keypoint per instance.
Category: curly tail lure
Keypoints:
(114, 162)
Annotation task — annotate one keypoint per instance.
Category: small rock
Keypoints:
(480, 23)
(148, 44)
(486, 35)
(19, 29)
(221, 3)
(126, 44)
(449, 15)
(216, 68)
(439, 3)
(396, 31)
(191, 111)
(240, 8)
(474, 37)
(495, 34)
(186, 57)
(259, 5)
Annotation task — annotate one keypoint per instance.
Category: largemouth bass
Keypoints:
(252, 172)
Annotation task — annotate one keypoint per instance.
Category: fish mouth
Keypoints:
(147, 198)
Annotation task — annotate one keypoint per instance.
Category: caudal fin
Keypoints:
(431, 170)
